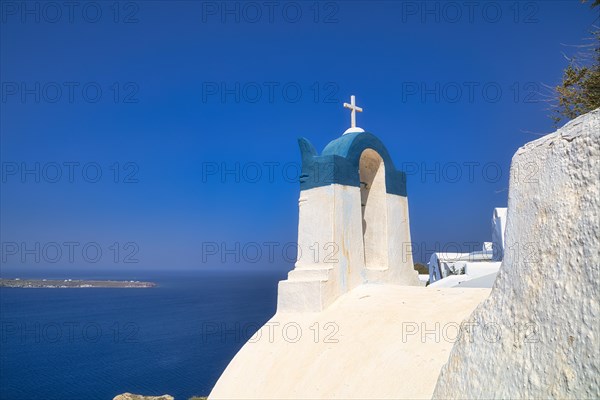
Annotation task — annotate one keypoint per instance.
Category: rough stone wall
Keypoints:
(538, 334)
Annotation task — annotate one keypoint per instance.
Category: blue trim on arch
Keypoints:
(339, 163)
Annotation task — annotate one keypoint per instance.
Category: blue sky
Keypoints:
(161, 97)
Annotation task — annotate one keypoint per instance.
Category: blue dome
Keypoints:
(339, 163)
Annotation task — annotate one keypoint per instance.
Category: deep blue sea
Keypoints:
(92, 343)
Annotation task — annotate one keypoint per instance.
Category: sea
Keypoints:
(94, 343)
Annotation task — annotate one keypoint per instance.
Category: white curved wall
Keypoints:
(544, 307)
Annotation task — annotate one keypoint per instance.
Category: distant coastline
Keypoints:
(71, 283)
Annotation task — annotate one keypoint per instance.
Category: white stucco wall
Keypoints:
(498, 229)
(330, 250)
(543, 339)
(331, 247)
(374, 342)
(374, 210)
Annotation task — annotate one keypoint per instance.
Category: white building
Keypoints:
(454, 269)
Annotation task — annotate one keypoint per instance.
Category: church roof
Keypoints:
(339, 163)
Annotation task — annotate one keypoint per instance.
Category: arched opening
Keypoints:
(374, 209)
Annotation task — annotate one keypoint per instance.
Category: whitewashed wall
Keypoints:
(538, 334)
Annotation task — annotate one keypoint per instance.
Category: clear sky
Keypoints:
(190, 111)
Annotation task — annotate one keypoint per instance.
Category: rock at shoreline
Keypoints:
(131, 396)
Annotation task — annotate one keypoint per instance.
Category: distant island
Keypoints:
(71, 283)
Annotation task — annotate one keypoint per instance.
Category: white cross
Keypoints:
(354, 109)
